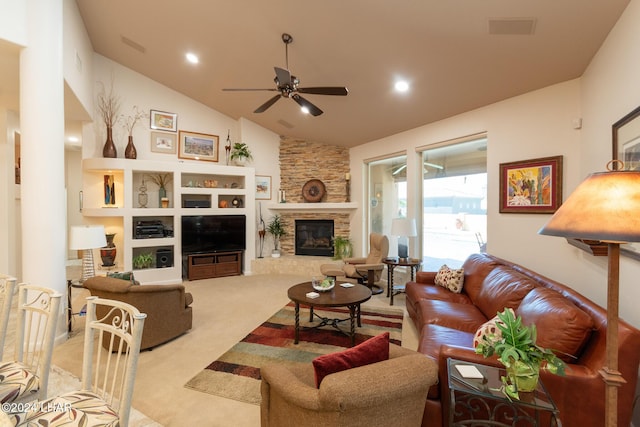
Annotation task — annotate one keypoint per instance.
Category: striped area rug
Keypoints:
(236, 374)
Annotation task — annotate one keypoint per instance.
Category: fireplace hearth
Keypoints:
(314, 237)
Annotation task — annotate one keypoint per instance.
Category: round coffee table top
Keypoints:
(337, 297)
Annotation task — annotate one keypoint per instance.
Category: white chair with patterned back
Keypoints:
(8, 289)
(108, 373)
(26, 377)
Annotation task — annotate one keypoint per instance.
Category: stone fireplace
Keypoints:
(313, 237)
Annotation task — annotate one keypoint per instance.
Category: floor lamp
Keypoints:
(605, 207)
(87, 238)
(403, 228)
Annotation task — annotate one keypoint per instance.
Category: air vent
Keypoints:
(285, 124)
(512, 26)
(133, 44)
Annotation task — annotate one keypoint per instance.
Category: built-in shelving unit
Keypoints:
(194, 188)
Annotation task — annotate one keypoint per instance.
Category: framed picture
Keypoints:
(163, 142)
(198, 146)
(161, 120)
(263, 187)
(531, 186)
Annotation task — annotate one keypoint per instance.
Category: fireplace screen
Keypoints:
(314, 237)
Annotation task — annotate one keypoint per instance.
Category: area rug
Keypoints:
(236, 374)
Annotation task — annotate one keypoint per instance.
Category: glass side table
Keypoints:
(479, 401)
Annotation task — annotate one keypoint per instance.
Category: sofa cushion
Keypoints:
(502, 288)
(451, 279)
(489, 330)
(417, 291)
(561, 326)
(123, 275)
(476, 268)
(373, 350)
(464, 317)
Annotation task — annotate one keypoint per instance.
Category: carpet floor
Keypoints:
(236, 374)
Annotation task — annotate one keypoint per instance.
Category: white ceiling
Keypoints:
(443, 47)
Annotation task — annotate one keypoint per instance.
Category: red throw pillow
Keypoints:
(373, 350)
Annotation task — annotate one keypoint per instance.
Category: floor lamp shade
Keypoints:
(86, 238)
(605, 207)
(403, 227)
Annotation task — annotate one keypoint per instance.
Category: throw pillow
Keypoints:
(126, 275)
(373, 350)
(489, 330)
(450, 279)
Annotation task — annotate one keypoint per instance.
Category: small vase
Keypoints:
(162, 194)
(108, 253)
(130, 152)
(109, 149)
(523, 377)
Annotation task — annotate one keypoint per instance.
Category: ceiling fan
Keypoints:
(287, 85)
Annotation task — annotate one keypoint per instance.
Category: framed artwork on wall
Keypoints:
(198, 146)
(163, 142)
(531, 186)
(161, 120)
(263, 187)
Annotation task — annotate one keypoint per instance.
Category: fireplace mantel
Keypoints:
(329, 207)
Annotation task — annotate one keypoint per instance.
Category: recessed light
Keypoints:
(192, 58)
(402, 86)
(73, 139)
(304, 110)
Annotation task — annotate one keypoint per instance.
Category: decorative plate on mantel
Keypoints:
(313, 191)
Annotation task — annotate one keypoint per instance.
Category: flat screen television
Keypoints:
(213, 233)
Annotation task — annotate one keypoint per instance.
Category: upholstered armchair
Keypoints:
(366, 270)
(391, 392)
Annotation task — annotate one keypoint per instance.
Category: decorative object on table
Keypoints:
(531, 186)
(161, 120)
(347, 179)
(516, 348)
(143, 197)
(143, 260)
(109, 251)
(87, 238)
(263, 187)
(108, 106)
(227, 148)
(198, 146)
(129, 123)
(161, 180)
(323, 284)
(109, 190)
(261, 230)
(163, 142)
(342, 247)
(313, 191)
(240, 153)
(282, 197)
(223, 204)
(604, 207)
(236, 202)
(164, 202)
(403, 228)
(277, 230)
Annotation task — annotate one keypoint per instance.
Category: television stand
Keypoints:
(214, 264)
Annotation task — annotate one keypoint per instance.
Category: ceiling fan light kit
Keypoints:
(287, 85)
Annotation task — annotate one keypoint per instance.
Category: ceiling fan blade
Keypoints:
(338, 91)
(267, 104)
(313, 110)
(283, 76)
(244, 90)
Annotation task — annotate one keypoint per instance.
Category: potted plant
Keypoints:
(240, 153)
(144, 260)
(276, 228)
(516, 348)
(342, 247)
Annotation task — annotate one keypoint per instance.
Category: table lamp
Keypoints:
(605, 207)
(87, 238)
(403, 228)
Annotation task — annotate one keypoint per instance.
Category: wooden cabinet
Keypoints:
(215, 264)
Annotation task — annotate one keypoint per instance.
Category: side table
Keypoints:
(478, 400)
(392, 263)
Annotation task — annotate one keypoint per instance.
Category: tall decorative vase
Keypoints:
(109, 149)
(130, 152)
(162, 193)
(108, 253)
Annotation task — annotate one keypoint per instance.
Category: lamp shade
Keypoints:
(404, 227)
(605, 206)
(87, 237)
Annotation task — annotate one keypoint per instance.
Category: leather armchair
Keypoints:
(392, 392)
(365, 270)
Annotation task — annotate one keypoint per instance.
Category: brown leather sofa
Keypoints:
(167, 306)
(565, 320)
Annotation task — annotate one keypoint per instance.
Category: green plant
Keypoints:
(240, 150)
(342, 247)
(276, 228)
(517, 350)
(144, 260)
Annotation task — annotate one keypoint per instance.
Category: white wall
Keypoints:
(13, 18)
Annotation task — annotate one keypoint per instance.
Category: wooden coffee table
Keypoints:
(339, 296)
